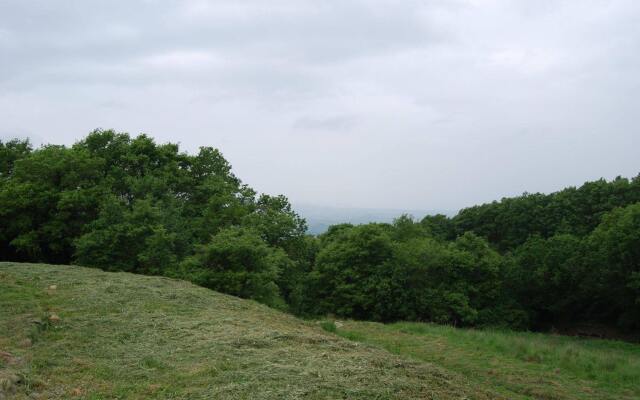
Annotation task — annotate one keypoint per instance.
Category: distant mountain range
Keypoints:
(319, 218)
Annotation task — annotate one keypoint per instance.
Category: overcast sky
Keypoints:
(398, 104)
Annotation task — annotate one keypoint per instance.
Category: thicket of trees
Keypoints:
(510, 222)
(129, 204)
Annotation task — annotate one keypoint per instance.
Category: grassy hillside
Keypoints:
(71, 332)
(517, 365)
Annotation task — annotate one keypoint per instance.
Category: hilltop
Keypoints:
(74, 332)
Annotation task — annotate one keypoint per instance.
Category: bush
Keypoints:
(238, 262)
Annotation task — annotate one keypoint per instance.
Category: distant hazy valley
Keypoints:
(319, 218)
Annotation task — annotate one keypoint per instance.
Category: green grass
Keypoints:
(100, 335)
(517, 365)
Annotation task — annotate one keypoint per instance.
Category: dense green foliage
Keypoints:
(389, 272)
(553, 261)
(128, 204)
(237, 261)
(577, 211)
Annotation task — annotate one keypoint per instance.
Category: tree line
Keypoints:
(125, 203)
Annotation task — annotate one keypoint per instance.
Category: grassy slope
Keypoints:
(517, 365)
(130, 336)
(100, 335)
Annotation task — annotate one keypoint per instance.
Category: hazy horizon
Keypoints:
(435, 105)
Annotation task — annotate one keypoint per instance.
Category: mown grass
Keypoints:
(518, 365)
(71, 332)
(79, 333)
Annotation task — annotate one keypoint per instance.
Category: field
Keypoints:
(518, 365)
(72, 332)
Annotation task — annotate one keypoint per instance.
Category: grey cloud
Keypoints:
(62, 34)
(329, 124)
(414, 104)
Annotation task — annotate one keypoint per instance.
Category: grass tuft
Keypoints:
(328, 326)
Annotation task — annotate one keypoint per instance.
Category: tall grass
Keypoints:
(592, 359)
(529, 365)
